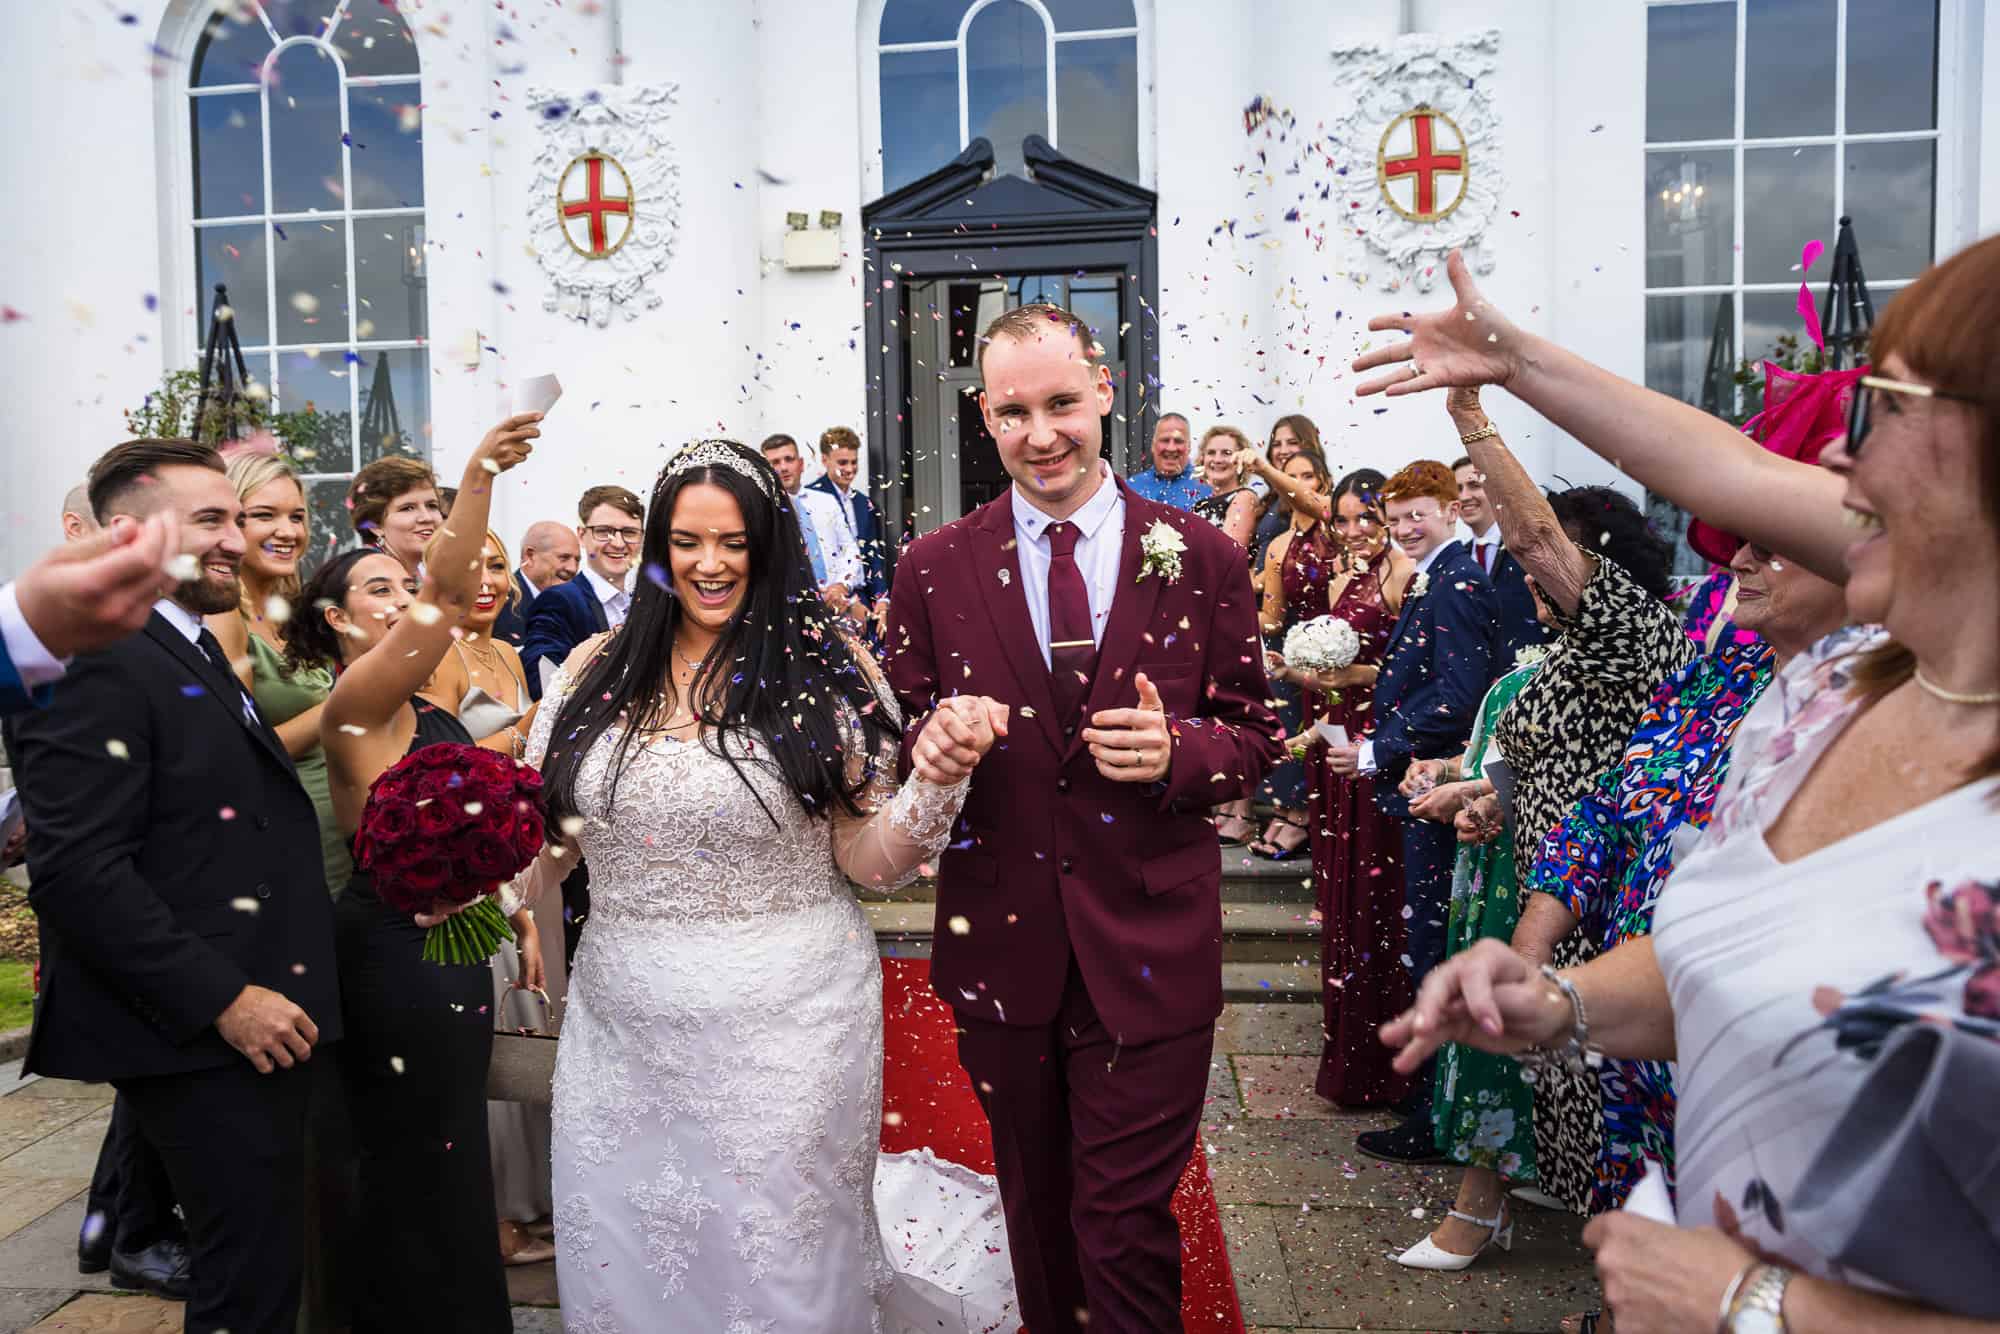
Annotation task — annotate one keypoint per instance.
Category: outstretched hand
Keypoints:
(1487, 997)
(1470, 344)
(1133, 745)
(957, 736)
(89, 594)
(508, 443)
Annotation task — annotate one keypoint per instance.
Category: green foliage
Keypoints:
(303, 437)
(1789, 353)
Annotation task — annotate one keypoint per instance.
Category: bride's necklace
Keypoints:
(1937, 691)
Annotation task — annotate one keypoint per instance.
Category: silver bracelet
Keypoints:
(1729, 1297)
(1576, 1054)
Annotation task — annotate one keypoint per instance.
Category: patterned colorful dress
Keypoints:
(1483, 1112)
(1357, 856)
(1608, 859)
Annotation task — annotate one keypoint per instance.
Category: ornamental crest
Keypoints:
(1428, 133)
(604, 203)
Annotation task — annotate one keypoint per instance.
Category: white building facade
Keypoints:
(400, 200)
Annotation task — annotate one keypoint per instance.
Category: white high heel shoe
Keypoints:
(1427, 1254)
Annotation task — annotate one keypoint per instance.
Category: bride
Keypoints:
(726, 763)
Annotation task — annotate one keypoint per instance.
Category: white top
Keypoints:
(33, 662)
(1099, 548)
(1766, 962)
(616, 600)
(835, 532)
(181, 619)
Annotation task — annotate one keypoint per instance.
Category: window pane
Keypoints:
(375, 40)
(1769, 316)
(1081, 15)
(922, 20)
(1690, 72)
(1690, 218)
(230, 50)
(1892, 197)
(1097, 104)
(316, 383)
(1891, 65)
(1007, 80)
(1787, 201)
(1095, 302)
(386, 129)
(312, 283)
(395, 404)
(234, 256)
(389, 274)
(329, 530)
(1788, 59)
(919, 115)
(228, 155)
(305, 131)
(1683, 334)
(299, 18)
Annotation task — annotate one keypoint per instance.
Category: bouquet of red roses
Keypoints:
(446, 824)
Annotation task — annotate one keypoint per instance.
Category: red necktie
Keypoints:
(1072, 652)
(1489, 552)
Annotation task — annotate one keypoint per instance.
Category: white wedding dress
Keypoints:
(718, 1085)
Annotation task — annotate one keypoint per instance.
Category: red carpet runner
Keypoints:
(928, 1102)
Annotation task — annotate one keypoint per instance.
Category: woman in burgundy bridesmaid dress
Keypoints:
(1356, 849)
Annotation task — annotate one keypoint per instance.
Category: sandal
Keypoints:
(1270, 849)
(1586, 1323)
(1229, 840)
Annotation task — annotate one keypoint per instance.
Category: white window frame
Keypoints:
(184, 302)
(1949, 213)
(873, 49)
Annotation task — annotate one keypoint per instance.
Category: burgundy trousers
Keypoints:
(1090, 1138)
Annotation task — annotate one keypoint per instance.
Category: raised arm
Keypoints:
(1528, 525)
(1299, 493)
(1699, 462)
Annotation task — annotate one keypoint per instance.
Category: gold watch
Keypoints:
(1759, 1307)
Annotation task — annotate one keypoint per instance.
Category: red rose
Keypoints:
(441, 817)
(390, 818)
(493, 858)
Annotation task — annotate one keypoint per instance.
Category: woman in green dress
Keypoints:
(1483, 1112)
(288, 693)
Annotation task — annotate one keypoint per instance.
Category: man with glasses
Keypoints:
(611, 528)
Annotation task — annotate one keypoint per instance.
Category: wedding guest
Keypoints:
(481, 682)
(289, 692)
(84, 595)
(549, 555)
(447, 496)
(1232, 506)
(77, 520)
(1709, 612)
(1297, 571)
(1773, 974)
(1291, 434)
(1520, 627)
(394, 506)
(1438, 664)
(419, 1034)
(1357, 852)
(840, 456)
(1169, 481)
(157, 977)
(831, 549)
(566, 614)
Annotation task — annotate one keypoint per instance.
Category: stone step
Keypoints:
(1266, 935)
(1245, 879)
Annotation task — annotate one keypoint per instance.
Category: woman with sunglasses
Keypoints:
(1845, 883)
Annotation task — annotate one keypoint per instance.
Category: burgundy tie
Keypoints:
(1489, 552)
(1072, 653)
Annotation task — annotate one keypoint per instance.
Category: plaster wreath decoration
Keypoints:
(1420, 153)
(1160, 551)
(604, 202)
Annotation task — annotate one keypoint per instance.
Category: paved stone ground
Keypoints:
(1312, 1225)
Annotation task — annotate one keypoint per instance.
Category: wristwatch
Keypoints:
(1759, 1306)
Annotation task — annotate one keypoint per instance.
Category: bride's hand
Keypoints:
(1487, 997)
(1470, 344)
(960, 732)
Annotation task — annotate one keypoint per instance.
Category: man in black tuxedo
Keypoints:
(186, 932)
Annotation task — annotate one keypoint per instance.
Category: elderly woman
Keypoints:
(1853, 834)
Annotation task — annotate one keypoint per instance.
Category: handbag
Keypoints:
(1906, 1188)
(523, 1068)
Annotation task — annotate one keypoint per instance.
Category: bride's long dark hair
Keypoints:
(782, 663)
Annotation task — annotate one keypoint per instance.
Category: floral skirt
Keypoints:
(1484, 1114)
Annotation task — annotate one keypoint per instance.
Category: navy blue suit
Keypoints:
(564, 616)
(512, 623)
(1519, 626)
(15, 697)
(1443, 654)
(867, 534)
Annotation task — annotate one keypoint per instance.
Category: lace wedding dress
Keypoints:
(718, 1085)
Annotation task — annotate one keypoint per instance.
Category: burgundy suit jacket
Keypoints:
(1051, 860)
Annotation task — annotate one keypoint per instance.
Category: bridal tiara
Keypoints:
(718, 454)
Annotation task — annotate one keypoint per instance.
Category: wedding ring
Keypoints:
(1415, 370)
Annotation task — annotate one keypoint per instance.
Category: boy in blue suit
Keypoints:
(840, 454)
(1443, 654)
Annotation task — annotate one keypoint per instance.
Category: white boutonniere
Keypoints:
(1530, 655)
(1160, 551)
(1418, 586)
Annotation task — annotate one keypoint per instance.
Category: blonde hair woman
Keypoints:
(1234, 506)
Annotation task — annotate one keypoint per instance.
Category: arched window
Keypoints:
(951, 71)
(305, 162)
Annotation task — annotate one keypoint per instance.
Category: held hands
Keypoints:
(508, 443)
(90, 594)
(1470, 344)
(1486, 997)
(1132, 745)
(958, 735)
(1480, 821)
(269, 1030)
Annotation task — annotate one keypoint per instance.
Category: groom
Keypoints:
(1082, 888)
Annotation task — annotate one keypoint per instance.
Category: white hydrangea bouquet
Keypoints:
(1323, 644)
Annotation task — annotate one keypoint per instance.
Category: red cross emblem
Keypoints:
(1409, 163)
(584, 215)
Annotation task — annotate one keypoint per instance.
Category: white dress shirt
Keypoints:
(835, 531)
(33, 662)
(615, 599)
(1486, 550)
(191, 626)
(1099, 548)
(1365, 761)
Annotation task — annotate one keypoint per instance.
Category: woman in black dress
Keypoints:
(418, 1035)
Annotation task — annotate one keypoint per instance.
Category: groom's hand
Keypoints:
(1132, 745)
(963, 729)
